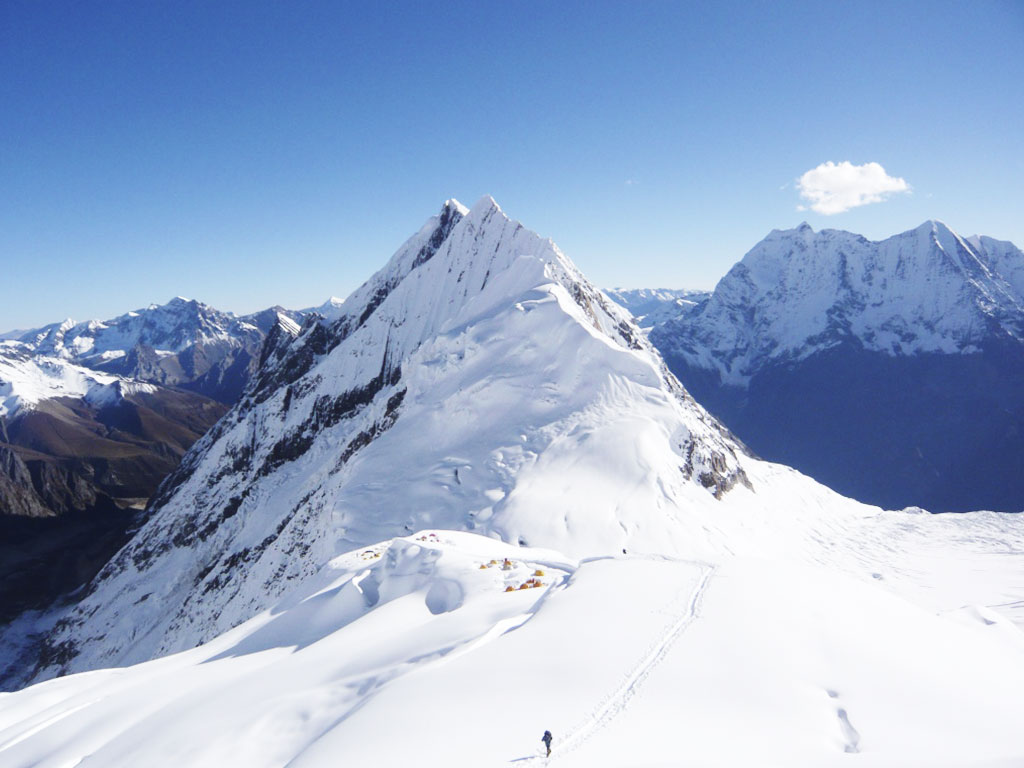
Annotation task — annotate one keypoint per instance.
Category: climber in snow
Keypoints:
(546, 738)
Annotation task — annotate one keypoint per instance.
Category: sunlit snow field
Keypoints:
(413, 651)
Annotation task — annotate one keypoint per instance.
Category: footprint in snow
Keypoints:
(850, 735)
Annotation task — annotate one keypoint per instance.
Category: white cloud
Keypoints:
(836, 187)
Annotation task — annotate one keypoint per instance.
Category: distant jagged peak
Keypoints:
(931, 230)
(937, 234)
(330, 309)
(177, 301)
(803, 230)
(451, 202)
(652, 306)
(629, 297)
(181, 306)
(931, 245)
(932, 226)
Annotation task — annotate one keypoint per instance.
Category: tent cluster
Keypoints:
(510, 565)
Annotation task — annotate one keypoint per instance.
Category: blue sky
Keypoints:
(254, 153)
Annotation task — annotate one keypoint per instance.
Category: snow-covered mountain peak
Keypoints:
(481, 208)
(450, 268)
(330, 309)
(181, 343)
(476, 382)
(167, 328)
(798, 292)
(451, 202)
(935, 234)
(803, 230)
(935, 229)
(177, 302)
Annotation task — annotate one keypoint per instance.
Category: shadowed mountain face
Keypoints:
(74, 475)
(891, 371)
(75, 452)
(944, 432)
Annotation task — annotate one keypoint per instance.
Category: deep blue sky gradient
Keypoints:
(252, 153)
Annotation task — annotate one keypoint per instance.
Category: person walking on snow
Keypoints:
(546, 738)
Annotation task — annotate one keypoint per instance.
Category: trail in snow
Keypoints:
(617, 702)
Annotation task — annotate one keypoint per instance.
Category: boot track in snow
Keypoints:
(620, 699)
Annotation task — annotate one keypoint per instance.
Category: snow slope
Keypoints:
(412, 651)
(25, 381)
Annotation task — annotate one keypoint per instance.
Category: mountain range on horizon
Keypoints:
(477, 482)
(804, 325)
(768, 351)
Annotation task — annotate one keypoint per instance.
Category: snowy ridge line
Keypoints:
(619, 700)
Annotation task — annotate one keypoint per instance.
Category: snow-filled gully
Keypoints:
(617, 702)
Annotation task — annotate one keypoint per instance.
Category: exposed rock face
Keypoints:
(891, 371)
